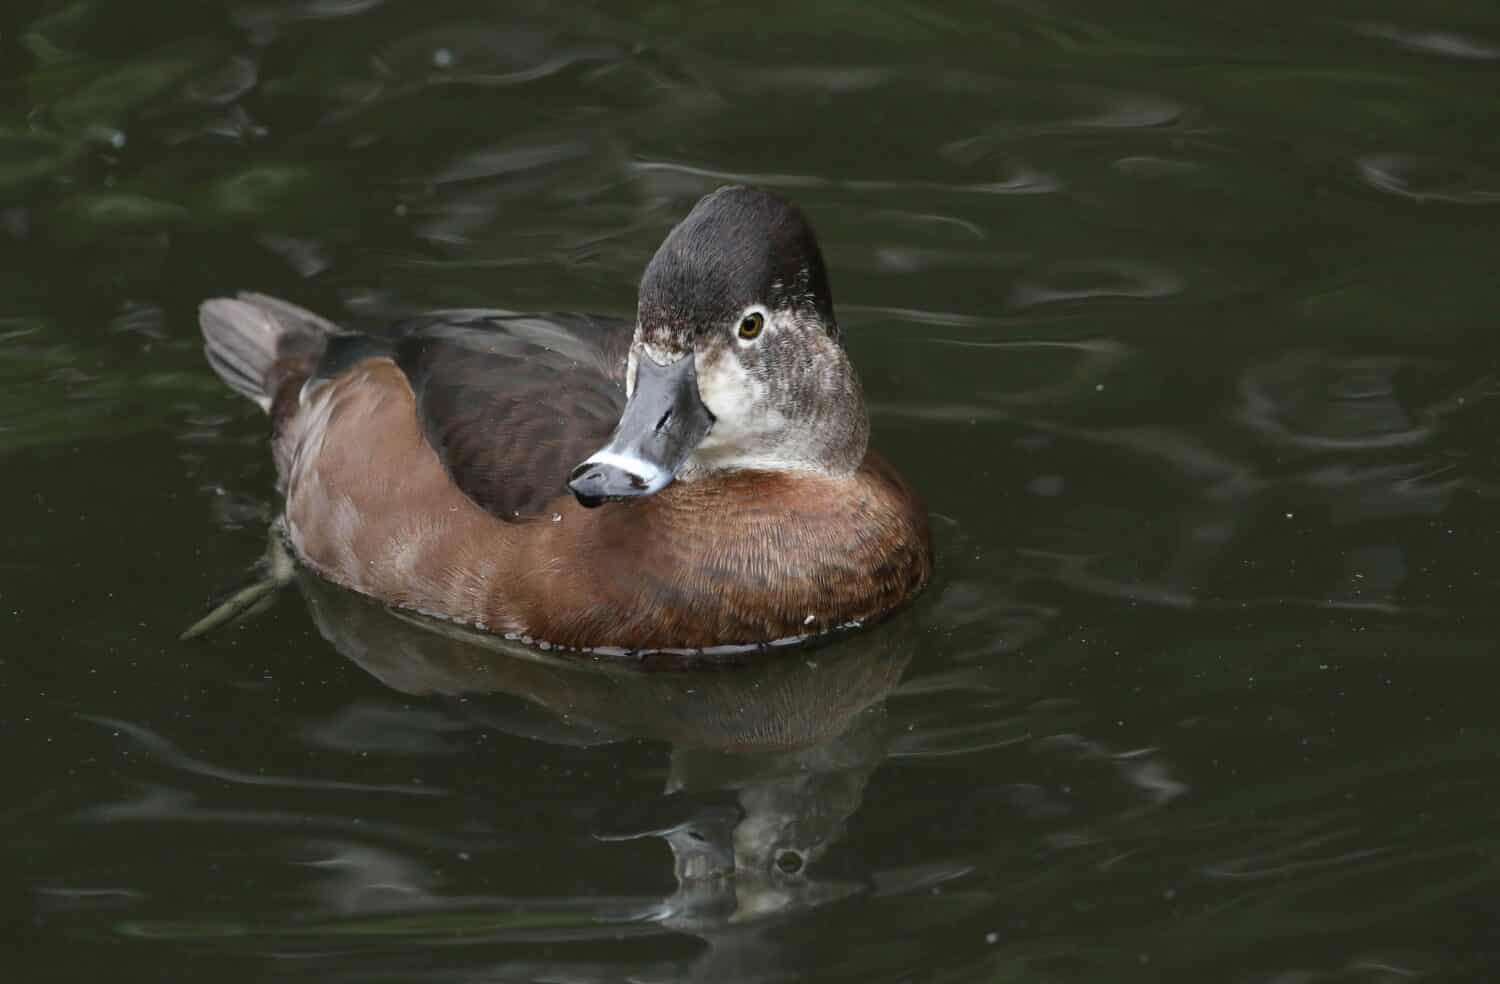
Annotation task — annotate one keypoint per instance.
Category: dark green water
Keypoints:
(1182, 316)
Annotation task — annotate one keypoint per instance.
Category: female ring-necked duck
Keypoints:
(725, 495)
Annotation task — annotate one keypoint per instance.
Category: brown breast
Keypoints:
(746, 557)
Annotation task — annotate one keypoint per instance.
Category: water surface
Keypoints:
(1181, 316)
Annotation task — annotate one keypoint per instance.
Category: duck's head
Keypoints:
(736, 362)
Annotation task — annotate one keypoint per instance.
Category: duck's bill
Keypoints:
(663, 422)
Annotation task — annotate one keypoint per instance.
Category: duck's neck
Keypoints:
(825, 431)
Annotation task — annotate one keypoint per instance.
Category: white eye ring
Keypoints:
(752, 324)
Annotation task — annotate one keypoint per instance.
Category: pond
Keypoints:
(1181, 317)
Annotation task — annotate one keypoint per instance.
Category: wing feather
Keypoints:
(512, 403)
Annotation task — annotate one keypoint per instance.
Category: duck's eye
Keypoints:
(752, 325)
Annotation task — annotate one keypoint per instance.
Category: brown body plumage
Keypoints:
(741, 557)
(430, 469)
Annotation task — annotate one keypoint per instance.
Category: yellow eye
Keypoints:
(751, 326)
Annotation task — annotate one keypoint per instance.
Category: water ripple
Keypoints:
(1316, 401)
(152, 803)
(1096, 358)
(1130, 110)
(1102, 279)
(171, 755)
(1430, 179)
(495, 162)
(1286, 859)
(263, 19)
(224, 84)
(1450, 44)
(1020, 181)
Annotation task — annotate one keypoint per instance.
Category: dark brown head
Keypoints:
(736, 362)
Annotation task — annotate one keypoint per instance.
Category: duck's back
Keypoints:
(510, 403)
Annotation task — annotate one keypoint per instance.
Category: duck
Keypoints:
(698, 479)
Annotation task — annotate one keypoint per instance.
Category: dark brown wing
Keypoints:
(512, 403)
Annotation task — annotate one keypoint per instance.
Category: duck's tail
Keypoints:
(257, 343)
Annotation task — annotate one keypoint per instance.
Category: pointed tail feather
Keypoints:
(255, 342)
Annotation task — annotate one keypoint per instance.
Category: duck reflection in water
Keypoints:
(769, 759)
